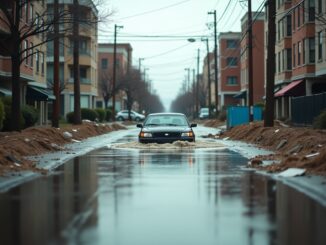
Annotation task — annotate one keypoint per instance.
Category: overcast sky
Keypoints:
(158, 31)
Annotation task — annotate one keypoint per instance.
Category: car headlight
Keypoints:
(145, 135)
(187, 134)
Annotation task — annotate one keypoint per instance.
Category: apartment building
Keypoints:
(87, 57)
(320, 34)
(229, 68)
(105, 71)
(33, 69)
(300, 52)
(258, 53)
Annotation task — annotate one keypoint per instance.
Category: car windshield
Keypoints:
(166, 120)
(204, 110)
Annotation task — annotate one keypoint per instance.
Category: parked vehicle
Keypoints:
(124, 115)
(166, 128)
(203, 113)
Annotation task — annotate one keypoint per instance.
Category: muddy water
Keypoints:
(194, 196)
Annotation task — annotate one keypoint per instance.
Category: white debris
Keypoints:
(17, 164)
(312, 155)
(226, 138)
(75, 130)
(277, 130)
(86, 121)
(75, 141)
(67, 135)
(27, 140)
(292, 172)
(55, 146)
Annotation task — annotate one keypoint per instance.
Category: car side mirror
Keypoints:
(193, 125)
(139, 125)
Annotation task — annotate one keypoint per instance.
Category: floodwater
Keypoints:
(159, 197)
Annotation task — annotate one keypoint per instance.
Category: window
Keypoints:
(31, 13)
(279, 61)
(288, 59)
(299, 53)
(283, 60)
(320, 45)
(83, 72)
(294, 50)
(232, 61)
(294, 19)
(25, 54)
(104, 63)
(26, 11)
(299, 15)
(231, 43)
(32, 55)
(288, 26)
(279, 30)
(37, 60)
(320, 6)
(83, 49)
(304, 51)
(311, 10)
(312, 50)
(42, 61)
(232, 80)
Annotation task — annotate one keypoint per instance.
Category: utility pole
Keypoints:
(188, 79)
(197, 83)
(139, 63)
(250, 65)
(270, 72)
(209, 77)
(77, 113)
(56, 54)
(114, 69)
(215, 65)
(194, 92)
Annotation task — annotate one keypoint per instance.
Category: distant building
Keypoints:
(258, 53)
(229, 68)
(87, 58)
(105, 71)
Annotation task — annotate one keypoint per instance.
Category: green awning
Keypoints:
(39, 94)
(5, 92)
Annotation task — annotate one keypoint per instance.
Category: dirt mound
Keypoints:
(14, 146)
(294, 146)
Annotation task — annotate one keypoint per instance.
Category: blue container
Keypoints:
(237, 115)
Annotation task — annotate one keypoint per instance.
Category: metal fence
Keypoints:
(304, 109)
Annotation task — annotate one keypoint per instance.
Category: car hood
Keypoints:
(166, 129)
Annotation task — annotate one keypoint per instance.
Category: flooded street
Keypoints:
(162, 197)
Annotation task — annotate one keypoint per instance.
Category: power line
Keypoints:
(167, 52)
(153, 10)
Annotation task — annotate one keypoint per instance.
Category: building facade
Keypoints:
(229, 68)
(208, 87)
(258, 52)
(300, 52)
(87, 57)
(33, 85)
(105, 71)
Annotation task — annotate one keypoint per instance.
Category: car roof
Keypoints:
(166, 114)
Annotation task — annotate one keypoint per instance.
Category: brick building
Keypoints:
(229, 68)
(258, 52)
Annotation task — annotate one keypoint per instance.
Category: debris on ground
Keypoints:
(292, 172)
(294, 147)
(14, 146)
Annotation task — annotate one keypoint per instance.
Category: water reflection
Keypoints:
(198, 196)
(38, 211)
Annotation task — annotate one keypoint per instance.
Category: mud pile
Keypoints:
(14, 146)
(293, 146)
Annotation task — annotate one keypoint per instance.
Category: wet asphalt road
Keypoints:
(190, 197)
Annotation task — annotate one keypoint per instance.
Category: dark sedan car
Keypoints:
(166, 128)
